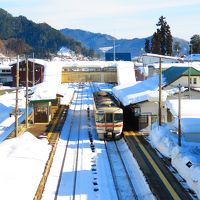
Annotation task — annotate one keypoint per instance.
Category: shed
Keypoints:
(35, 72)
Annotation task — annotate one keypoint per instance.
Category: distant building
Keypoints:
(35, 72)
(5, 75)
(118, 57)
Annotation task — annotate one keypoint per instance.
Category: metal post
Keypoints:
(179, 115)
(160, 93)
(17, 98)
(26, 92)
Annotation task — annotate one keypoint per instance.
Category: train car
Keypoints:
(108, 116)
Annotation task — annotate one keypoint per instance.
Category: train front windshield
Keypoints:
(100, 118)
(118, 118)
(109, 117)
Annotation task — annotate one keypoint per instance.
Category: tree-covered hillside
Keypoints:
(39, 38)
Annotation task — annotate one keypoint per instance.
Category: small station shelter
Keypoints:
(44, 109)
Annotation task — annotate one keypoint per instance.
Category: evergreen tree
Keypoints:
(163, 38)
(147, 47)
(155, 44)
(195, 44)
(169, 41)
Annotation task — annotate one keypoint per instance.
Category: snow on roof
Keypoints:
(44, 91)
(139, 92)
(189, 107)
(147, 90)
(125, 73)
(35, 60)
(5, 66)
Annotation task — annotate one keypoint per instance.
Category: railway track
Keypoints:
(125, 189)
(70, 185)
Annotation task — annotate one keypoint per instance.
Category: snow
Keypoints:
(166, 143)
(146, 90)
(186, 109)
(125, 73)
(22, 163)
(7, 105)
(23, 158)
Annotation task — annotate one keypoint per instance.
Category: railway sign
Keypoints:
(189, 164)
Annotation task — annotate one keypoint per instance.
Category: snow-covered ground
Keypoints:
(23, 159)
(166, 142)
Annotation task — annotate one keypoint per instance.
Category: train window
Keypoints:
(100, 118)
(118, 117)
(109, 118)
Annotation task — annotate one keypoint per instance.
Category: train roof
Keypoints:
(105, 100)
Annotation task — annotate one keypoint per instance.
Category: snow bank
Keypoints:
(166, 143)
(22, 159)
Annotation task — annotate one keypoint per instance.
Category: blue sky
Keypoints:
(119, 18)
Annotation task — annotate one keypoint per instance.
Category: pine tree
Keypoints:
(155, 44)
(195, 44)
(169, 41)
(147, 47)
(164, 36)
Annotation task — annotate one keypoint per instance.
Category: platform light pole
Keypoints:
(179, 114)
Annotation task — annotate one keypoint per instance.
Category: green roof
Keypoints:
(43, 100)
(173, 73)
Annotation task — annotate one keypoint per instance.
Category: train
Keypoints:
(108, 116)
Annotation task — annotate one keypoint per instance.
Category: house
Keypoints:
(5, 74)
(141, 100)
(35, 72)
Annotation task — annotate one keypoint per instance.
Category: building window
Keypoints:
(194, 80)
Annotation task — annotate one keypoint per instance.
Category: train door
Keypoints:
(109, 122)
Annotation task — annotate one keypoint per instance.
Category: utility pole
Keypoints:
(114, 50)
(190, 64)
(33, 70)
(17, 98)
(179, 115)
(160, 93)
(26, 92)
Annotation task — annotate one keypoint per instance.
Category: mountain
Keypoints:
(39, 38)
(97, 41)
